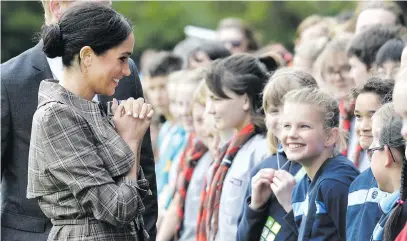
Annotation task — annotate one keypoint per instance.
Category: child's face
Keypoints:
(184, 105)
(156, 90)
(358, 71)
(198, 111)
(388, 70)
(337, 74)
(173, 105)
(400, 103)
(303, 135)
(273, 122)
(366, 105)
(228, 113)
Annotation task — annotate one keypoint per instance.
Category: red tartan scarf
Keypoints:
(208, 222)
(346, 117)
(195, 149)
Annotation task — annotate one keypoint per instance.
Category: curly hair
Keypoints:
(381, 87)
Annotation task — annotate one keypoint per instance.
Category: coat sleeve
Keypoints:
(71, 157)
(147, 162)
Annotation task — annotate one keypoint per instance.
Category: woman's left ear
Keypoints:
(246, 104)
(332, 137)
(86, 55)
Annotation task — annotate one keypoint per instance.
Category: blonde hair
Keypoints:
(200, 94)
(322, 100)
(308, 22)
(281, 82)
(47, 12)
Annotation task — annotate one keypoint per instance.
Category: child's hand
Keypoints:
(283, 186)
(261, 190)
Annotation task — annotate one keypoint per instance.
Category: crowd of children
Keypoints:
(255, 144)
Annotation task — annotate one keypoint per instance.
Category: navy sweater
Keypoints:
(319, 206)
(268, 222)
(363, 211)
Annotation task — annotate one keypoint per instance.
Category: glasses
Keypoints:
(343, 71)
(371, 151)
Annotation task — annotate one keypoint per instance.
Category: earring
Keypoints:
(86, 69)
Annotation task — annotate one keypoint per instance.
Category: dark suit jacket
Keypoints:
(22, 219)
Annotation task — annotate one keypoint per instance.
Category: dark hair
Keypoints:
(242, 26)
(366, 44)
(85, 24)
(242, 74)
(381, 87)
(214, 50)
(390, 51)
(163, 64)
(390, 135)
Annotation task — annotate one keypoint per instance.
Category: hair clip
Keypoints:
(400, 202)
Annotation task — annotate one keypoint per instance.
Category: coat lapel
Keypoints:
(40, 63)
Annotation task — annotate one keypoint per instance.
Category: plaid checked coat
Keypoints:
(77, 167)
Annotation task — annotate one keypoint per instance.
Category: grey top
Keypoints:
(235, 185)
(192, 200)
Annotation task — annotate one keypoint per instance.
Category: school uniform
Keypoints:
(363, 211)
(319, 206)
(165, 197)
(386, 205)
(268, 223)
(235, 184)
(170, 147)
(192, 200)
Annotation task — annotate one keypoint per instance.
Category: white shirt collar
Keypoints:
(56, 66)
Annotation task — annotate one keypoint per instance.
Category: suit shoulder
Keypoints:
(20, 62)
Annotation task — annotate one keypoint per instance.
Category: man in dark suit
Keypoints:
(22, 219)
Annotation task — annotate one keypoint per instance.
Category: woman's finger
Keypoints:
(143, 111)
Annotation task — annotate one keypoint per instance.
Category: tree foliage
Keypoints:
(160, 24)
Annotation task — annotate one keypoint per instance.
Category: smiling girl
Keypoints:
(310, 131)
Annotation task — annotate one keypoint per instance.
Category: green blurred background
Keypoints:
(160, 25)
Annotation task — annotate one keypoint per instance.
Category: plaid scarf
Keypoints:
(346, 117)
(209, 212)
(195, 149)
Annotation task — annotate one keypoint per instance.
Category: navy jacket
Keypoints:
(268, 222)
(363, 207)
(319, 206)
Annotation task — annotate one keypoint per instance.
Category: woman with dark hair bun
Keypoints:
(83, 165)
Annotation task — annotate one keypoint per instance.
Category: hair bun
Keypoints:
(53, 42)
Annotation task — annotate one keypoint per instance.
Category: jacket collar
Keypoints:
(51, 91)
